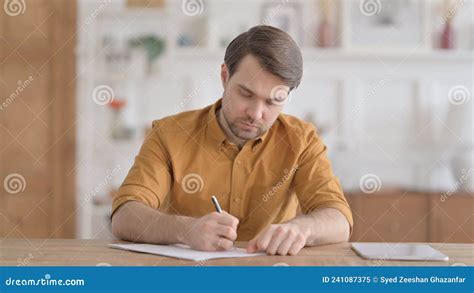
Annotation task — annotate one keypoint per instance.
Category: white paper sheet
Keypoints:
(184, 252)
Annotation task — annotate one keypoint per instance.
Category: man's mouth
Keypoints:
(248, 125)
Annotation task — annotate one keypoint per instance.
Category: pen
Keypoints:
(216, 204)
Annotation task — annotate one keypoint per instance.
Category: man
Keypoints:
(260, 164)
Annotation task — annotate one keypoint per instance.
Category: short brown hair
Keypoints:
(276, 50)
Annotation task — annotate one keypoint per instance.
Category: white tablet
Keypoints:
(398, 251)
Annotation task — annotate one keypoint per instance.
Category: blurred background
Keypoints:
(387, 83)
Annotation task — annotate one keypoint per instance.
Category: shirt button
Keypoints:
(237, 199)
(238, 162)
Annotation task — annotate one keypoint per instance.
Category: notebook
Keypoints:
(184, 252)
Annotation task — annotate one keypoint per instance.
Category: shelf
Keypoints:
(134, 15)
(422, 55)
(337, 54)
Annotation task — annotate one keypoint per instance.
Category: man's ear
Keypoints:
(224, 75)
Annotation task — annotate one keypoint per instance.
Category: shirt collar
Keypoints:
(214, 129)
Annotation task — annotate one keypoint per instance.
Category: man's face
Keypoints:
(253, 98)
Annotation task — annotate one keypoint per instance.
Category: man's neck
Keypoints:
(226, 128)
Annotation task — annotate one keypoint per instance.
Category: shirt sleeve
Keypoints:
(149, 179)
(315, 183)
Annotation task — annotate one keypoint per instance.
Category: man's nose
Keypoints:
(255, 112)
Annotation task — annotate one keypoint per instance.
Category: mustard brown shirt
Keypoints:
(187, 158)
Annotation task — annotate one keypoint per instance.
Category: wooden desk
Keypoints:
(82, 252)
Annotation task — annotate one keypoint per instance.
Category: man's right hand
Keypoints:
(214, 231)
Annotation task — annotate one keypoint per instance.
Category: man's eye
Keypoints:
(245, 94)
(270, 103)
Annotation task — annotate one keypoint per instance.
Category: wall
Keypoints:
(380, 111)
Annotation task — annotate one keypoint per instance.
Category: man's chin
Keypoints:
(248, 135)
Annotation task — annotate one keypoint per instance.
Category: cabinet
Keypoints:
(37, 119)
(407, 216)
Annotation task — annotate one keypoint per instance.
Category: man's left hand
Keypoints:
(281, 239)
